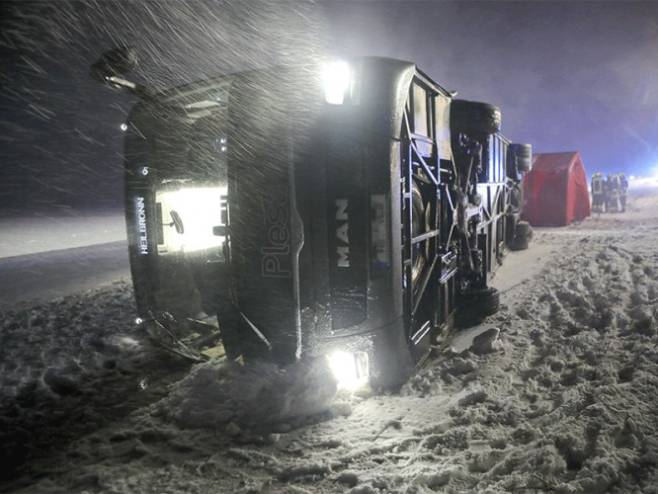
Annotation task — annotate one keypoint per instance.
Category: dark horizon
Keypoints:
(567, 75)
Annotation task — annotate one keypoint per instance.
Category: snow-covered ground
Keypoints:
(44, 256)
(24, 280)
(31, 234)
(559, 393)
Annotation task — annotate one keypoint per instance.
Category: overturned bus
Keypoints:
(353, 210)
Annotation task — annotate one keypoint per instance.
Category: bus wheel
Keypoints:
(522, 235)
(519, 243)
(523, 154)
(472, 117)
(475, 305)
(419, 225)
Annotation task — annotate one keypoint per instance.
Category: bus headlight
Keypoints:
(336, 81)
(349, 369)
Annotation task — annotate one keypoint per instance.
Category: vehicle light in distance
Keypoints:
(349, 369)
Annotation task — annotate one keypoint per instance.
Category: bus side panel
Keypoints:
(140, 213)
(262, 222)
(347, 217)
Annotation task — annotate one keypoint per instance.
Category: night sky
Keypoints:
(567, 75)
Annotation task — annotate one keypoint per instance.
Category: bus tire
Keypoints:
(523, 156)
(473, 117)
(475, 305)
(523, 229)
(522, 236)
(519, 243)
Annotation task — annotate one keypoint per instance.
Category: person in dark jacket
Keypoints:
(613, 204)
(598, 193)
(623, 192)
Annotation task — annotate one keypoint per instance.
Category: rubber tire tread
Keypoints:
(519, 243)
(523, 153)
(474, 117)
(474, 307)
(523, 229)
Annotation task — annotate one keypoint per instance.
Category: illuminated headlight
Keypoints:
(336, 81)
(349, 369)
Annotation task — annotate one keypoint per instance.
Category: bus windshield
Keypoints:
(189, 153)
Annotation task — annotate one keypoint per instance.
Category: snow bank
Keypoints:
(67, 367)
(259, 394)
(42, 233)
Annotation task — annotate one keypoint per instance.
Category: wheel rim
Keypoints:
(419, 225)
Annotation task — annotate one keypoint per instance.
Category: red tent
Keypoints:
(555, 190)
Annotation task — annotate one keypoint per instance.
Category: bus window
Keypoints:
(420, 111)
(442, 126)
